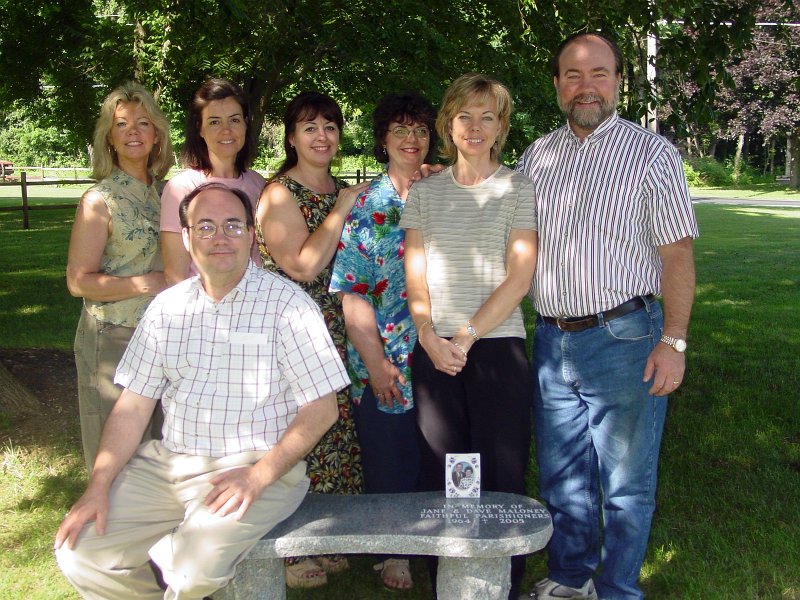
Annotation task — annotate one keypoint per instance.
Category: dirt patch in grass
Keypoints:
(50, 375)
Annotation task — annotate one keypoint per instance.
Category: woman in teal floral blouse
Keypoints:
(369, 276)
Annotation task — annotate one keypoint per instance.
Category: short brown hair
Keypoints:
(473, 88)
(183, 207)
(555, 66)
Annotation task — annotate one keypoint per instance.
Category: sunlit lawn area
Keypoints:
(766, 191)
(728, 518)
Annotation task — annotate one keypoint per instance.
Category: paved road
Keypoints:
(779, 202)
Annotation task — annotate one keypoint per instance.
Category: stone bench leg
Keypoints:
(255, 579)
(470, 578)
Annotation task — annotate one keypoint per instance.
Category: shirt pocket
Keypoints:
(253, 371)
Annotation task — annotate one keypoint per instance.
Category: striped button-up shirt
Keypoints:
(604, 206)
(231, 375)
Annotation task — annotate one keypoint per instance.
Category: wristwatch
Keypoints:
(677, 344)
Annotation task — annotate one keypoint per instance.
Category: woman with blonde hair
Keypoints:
(114, 262)
(470, 256)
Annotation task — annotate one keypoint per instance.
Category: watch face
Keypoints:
(680, 345)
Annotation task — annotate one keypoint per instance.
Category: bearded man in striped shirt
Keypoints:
(616, 226)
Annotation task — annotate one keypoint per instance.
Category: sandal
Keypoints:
(396, 570)
(305, 574)
(333, 564)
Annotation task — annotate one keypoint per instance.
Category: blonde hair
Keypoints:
(103, 159)
(473, 88)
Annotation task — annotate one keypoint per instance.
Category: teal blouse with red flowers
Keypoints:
(369, 263)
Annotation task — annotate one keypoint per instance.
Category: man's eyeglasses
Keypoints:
(232, 229)
(402, 131)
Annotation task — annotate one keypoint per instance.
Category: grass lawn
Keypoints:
(761, 191)
(728, 518)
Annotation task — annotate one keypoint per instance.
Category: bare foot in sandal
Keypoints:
(307, 573)
(333, 564)
(395, 573)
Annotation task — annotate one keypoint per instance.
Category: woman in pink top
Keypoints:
(219, 147)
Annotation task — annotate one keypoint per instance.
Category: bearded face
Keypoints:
(587, 110)
(587, 84)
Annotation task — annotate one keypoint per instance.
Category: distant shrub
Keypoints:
(708, 171)
(692, 176)
(711, 172)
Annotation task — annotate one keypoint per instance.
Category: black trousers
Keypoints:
(487, 409)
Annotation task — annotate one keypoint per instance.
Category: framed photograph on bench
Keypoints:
(462, 475)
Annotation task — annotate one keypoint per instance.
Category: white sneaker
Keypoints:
(547, 589)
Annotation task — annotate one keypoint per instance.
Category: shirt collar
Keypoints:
(251, 274)
(600, 131)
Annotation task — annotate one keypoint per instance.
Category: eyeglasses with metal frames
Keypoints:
(402, 131)
(207, 229)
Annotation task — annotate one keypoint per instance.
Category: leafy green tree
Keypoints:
(47, 52)
(73, 52)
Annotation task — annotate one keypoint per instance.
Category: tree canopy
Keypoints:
(60, 58)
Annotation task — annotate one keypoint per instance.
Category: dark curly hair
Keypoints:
(408, 107)
(195, 151)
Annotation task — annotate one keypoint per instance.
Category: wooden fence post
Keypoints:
(23, 181)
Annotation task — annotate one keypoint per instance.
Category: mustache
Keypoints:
(588, 97)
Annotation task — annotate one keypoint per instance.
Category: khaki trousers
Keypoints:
(98, 349)
(157, 512)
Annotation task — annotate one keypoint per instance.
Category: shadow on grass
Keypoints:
(56, 491)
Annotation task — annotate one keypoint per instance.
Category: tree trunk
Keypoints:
(737, 160)
(794, 177)
(769, 161)
(15, 398)
(138, 50)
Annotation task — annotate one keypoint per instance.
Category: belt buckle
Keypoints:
(573, 324)
(564, 324)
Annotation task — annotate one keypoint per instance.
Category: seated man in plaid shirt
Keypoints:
(247, 374)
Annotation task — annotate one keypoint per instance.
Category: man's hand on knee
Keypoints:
(235, 491)
(92, 506)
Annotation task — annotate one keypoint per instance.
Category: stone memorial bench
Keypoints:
(474, 539)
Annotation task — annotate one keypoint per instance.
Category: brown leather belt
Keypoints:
(573, 324)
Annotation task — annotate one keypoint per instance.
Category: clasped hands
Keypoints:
(448, 356)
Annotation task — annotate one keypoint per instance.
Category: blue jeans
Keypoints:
(597, 434)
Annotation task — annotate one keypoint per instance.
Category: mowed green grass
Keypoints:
(728, 518)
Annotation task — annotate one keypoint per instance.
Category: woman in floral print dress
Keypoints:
(300, 216)
(369, 274)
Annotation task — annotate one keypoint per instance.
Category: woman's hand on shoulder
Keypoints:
(425, 170)
(347, 196)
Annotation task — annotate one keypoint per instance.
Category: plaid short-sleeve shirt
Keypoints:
(231, 375)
